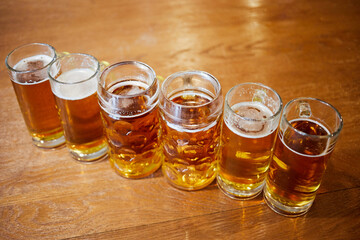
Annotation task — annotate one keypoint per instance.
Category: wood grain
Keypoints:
(299, 48)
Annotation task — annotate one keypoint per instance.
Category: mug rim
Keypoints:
(27, 45)
(118, 64)
(77, 82)
(273, 116)
(332, 133)
(191, 72)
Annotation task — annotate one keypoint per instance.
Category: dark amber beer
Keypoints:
(191, 110)
(251, 116)
(74, 83)
(27, 67)
(128, 96)
(307, 135)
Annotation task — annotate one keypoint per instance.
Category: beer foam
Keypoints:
(301, 154)
(26, 63)
(69, 89)
(247, 121)
(138, 87)
(32, 63)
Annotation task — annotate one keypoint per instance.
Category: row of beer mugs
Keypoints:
(181, 124)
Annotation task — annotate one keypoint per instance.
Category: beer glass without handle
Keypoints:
(27, 67)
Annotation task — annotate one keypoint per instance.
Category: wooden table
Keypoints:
(299, 48)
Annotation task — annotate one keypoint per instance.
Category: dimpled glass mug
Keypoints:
(191, 110)
(128, 96)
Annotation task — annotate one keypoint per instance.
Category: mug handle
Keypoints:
(104, 64)
(61, 54)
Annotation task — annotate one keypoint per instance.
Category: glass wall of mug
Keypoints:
(251, 117)
(191, 110)
(307, 135)
(128, 96)
(74, 80)
(27, 67)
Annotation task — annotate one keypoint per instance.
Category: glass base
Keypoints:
(89, 157)
(139, 166)
(134, 174)
(238, 194)
(54, 143)
(283, 209)
(190, 181)
(190, 188)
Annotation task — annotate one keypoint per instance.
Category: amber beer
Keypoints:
(76, 97)
(191, 126)
(299, 188)
(246, 153)
(28, 66)
(131, 118)
(301, 153)
(74, 83)
(191, 154)
(251, 117)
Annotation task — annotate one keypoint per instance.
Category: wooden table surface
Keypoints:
(299, 48)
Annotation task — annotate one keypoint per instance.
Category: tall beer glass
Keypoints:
(74, 79)
(307, 135)
(251, 117)
(128, 96)
(191, 110)
(27, 67)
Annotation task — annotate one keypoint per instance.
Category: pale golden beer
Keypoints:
(251, 116)
(74, 83)
(128, 96)
(307, 136)
(27, 66)
(191, 110)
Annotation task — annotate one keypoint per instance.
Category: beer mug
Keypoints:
(128, 96)
(191, 110)
(27, 67)
(74, 79)
(251, 118)
(307, 135)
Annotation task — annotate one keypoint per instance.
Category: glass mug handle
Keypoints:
(61, 54)
(104, 64)
(160, 79)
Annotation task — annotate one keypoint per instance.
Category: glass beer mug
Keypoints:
(128, 96)
(191, 109)
(309, 129)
